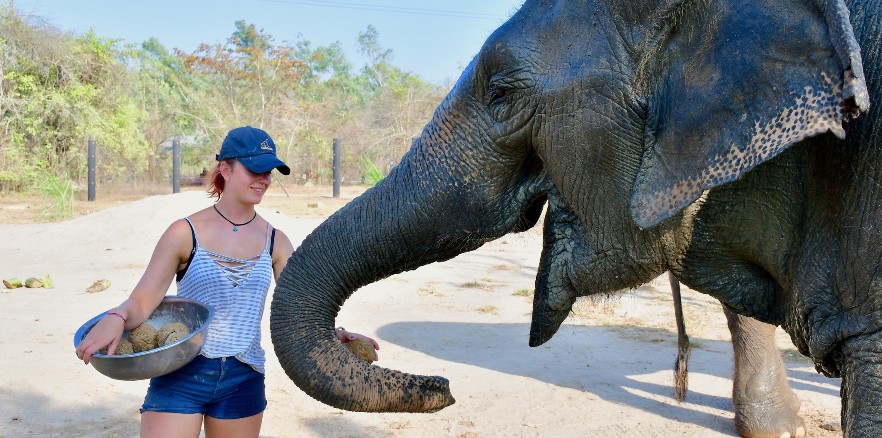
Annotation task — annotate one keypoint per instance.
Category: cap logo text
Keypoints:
(265, 145)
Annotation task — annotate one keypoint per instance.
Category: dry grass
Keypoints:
(488, 309)
(527, 293)
(488, 284)
(475, 285)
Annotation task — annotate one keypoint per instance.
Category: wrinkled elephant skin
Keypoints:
(732, 143)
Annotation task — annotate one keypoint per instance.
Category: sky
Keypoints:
(435, 40)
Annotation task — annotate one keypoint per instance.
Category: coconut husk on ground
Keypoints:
(98, 286)
(12, 283)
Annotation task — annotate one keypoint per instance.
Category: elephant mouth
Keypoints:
(573, 265)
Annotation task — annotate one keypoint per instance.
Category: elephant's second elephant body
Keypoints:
(732, 143)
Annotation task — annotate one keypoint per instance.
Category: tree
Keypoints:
(57, 91)
(246, 80)
(159, 91)
(379, 59)
(399, 106)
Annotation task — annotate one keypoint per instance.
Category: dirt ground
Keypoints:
(607, 372)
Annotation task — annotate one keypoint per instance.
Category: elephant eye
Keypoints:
(496, 93)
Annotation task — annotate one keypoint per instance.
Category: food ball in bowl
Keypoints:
(171, 332)
(143, 337)
(124, 347)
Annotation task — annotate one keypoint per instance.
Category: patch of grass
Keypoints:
(504, 268)
(60, 193)
(488, 309)
(370, 173)
(475, 285)
(527, 293)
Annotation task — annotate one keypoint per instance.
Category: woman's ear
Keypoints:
(731, 85)
(225, 168)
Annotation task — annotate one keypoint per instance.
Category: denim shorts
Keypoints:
(222, 388)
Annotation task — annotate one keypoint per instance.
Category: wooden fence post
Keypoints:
(337, 174)
(93, 164)
(176, 166)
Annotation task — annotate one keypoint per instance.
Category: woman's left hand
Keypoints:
(347, 336)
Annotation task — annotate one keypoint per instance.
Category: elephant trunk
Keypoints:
(406, 221)
(354, 247)
(861, 368)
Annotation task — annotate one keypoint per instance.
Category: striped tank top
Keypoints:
(237, 290)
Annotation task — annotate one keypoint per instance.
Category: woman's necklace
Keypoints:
(235, 225)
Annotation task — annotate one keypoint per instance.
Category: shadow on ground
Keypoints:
(609, 362)
(25, 412)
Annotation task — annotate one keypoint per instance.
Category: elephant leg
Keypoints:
(765, 406)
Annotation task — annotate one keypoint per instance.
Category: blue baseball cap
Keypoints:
(254, 149)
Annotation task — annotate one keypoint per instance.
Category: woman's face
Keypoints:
(247, 186)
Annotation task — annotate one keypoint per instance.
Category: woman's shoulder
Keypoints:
(279, 234)
(199, 216)
(184, 226)
(282, 246)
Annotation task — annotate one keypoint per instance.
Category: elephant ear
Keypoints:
(730, 86)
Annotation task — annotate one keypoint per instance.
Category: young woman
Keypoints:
(225, 256)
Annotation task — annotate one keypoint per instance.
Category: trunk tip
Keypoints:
(440, 396)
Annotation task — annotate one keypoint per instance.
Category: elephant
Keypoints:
(730, 143)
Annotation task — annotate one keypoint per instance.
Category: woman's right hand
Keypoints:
(106, 333)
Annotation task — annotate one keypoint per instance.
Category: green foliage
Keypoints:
(57, 90)
(369, 45)
(247, 36)
(370, 174)
(60, 192)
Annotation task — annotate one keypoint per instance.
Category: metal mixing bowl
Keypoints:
(161, 360)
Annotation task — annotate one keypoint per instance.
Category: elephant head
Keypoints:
(621, 116)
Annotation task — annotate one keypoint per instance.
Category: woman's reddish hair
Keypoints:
(215, 180)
